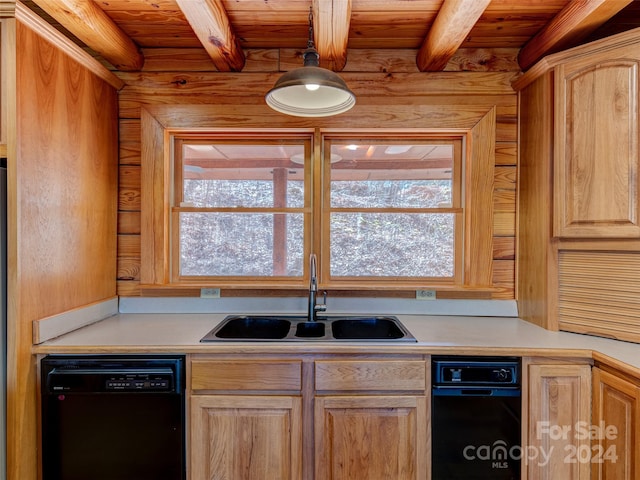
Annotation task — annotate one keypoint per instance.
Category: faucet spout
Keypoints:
(313, 290)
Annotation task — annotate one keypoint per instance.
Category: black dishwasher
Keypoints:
(113, 417)
(476, 418)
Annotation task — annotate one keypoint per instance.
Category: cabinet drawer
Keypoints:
(396, 375)
(246, 375)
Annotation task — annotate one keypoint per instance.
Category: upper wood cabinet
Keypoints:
(596, 145)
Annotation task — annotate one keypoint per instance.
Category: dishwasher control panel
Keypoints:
(138, 382)
(65, 381)
(476, 371)
(110, 374)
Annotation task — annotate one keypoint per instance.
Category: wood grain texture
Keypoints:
(66, 180)
(64, 44)
(210, 22)
(472, 117)
(432, 98)
(94, 27)
(572, 24)
(450, 28)
(246, 375)
(597, 186)
(61, 204)
(350, 375)
(479, 177)
(331, 21)
(7, 81)
(616, 405)
(246, 437)
(366, 437)
(559, 396)
(537, 279)
(599, 293)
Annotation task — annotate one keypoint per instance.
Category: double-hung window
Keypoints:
(382, 212)
(241, 209)
(392, 210)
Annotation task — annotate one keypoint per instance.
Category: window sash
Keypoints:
(277, 210)
(318, 209)
(329, 212)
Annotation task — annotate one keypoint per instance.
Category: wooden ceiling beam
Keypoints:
(88, 22)
(569, 26)
(331, 22)
(210, 23)
(450, 28)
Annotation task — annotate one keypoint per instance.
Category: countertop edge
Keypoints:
(436, 335)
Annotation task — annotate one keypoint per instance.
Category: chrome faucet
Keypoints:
(314, 308)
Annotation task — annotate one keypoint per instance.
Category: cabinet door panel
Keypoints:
(559, 404)
(364, 438)
(596, 154)
(246, 438)
(616, 404)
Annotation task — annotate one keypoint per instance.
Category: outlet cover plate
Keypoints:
(209, 293)
(425, 294)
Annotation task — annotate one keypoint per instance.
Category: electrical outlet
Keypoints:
(425, 294)
(209, 293)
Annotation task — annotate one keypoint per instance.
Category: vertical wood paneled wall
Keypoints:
(162, 83)
(62, 212)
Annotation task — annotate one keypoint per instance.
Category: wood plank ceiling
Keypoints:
(121, 30)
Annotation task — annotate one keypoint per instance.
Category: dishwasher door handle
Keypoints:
(447, 391)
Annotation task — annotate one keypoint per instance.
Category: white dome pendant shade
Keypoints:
(310, 91)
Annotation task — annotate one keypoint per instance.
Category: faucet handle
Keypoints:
(322, 307)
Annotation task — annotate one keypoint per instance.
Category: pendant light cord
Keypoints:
(310, 43)
(310, 56)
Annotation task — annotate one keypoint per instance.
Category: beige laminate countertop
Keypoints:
(436, 334)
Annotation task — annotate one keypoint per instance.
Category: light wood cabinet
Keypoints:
(559, 407)
(309, 417)
(364, 437)
(579, 195)
(246, 419)
(596, 146)
(371, 419)
(616, 442)
(236, 437)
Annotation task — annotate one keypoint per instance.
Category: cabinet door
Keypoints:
(246, 438)
(616, 448)
(365, 438)
(596, 148)
(559, 407)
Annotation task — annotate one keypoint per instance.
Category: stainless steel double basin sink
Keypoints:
(278, 328)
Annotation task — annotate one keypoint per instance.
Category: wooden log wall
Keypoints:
(475, 78)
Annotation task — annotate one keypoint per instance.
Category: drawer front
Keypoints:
(391, 375)
(276, 375)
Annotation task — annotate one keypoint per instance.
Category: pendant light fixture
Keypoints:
(310, 91)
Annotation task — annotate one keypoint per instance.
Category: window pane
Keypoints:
(243, 175)
(231, 244)
(387, 175)
(389, 245)
(242, 193)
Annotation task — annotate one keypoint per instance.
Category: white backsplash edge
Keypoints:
(298, 305)
(51, 327)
